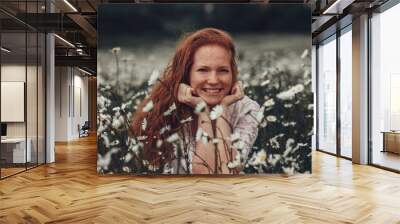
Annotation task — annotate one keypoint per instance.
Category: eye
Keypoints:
(202, 70)
(224, 70)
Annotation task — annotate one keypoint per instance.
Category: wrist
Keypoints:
(224, 113)
(203, 118)
(224, 105)
(205, 112)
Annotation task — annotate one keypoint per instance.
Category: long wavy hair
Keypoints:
(164, 93)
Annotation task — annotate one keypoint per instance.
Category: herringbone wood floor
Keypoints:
(70, 191)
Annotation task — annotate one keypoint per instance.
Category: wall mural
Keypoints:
(204, 89)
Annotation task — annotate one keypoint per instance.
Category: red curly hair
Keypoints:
(165, 91)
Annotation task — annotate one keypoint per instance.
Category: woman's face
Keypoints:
(211, 73)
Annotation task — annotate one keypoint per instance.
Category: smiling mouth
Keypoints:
(212, 90)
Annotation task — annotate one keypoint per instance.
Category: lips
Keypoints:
(212, 90)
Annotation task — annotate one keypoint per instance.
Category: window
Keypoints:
(327, 95)
(346, 92)
(385, 88)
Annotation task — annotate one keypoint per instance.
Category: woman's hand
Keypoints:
(237, 94)
(186, 96)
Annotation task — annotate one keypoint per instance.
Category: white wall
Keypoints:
(16, 73)
(12, 73)
(33, 126)
(62, 80)
(70, 84)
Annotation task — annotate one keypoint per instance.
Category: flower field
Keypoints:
(276, 73)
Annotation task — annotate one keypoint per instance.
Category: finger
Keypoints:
(240, 84)
(188, 92)
(183, 95)
(240, 92)
(193, 92)
(240, 88)
(234, 89)
(181, 92)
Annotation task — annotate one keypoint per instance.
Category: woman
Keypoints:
(201, 83)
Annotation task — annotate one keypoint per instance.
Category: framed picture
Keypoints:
(213, 89)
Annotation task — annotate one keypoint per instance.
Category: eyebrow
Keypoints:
(219, 67)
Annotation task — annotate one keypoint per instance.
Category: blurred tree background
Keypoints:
(118, 24)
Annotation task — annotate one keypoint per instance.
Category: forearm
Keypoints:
(223, 132)
(210, 153)
(204, 152)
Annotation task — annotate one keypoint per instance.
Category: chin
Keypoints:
(212, 101)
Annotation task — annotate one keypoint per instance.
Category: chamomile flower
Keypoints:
(153, 77)
(144, 124)
(216, 112)
(173, 138)
(200, 107)
(170, 110)
(148, 106)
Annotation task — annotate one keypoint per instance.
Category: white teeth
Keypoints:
(212, 90)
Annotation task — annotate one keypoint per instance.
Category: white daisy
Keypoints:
(273, 159)
(115, 142)
(159, 143)
(199, 134)
(126, 169)
(189, 119)
(128, 157)
(141, 138)
(144, 124)
(204, 138)
(260, 114)
(304, 54)
(170, 109)
(239, 145)
(153, 77)
(148, 106)
(172, 138)
(164, 129)
(298, 88)
(269, 103)
(135, 148)
(260, 157)
(290, 93)
(234, 137)
(200, 107)
(116, 50)
(116, 108)
(271, 118)
(216, 112)
(117, 122)
(266, 82)
(288, 170)
(233, 164)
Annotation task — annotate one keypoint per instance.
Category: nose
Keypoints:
(212, 78)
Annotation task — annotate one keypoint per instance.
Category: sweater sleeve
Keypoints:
(246, 125)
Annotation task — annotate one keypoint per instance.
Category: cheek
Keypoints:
(192, 80)
(195, 80)
(228, 82)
